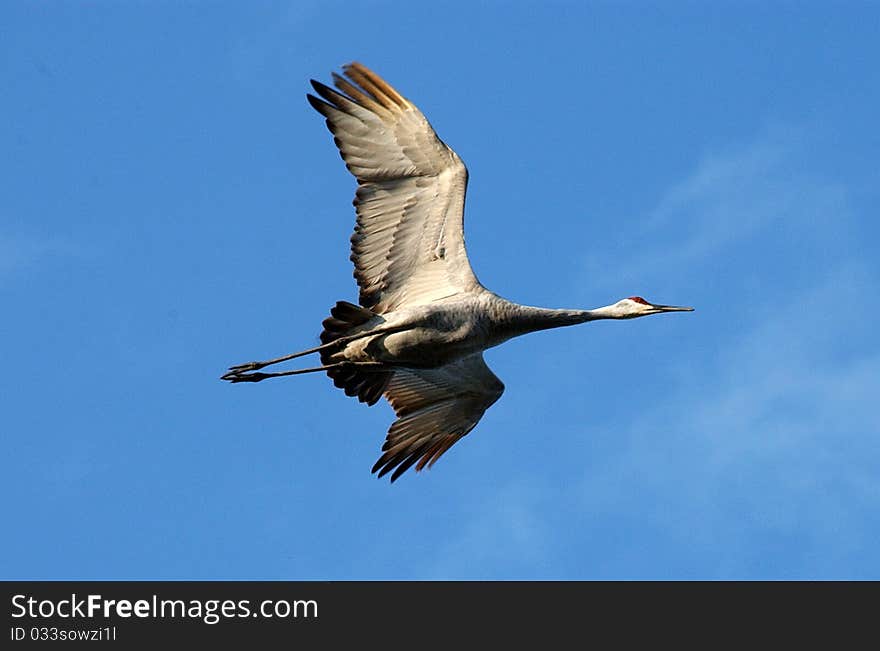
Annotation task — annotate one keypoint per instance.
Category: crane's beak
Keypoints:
(671, 308)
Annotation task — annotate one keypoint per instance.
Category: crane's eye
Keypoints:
(639, 299)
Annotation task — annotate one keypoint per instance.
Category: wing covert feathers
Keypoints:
(408, 243)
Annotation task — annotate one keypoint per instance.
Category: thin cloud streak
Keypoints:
(747, 196)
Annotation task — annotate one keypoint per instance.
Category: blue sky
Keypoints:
(171, 205)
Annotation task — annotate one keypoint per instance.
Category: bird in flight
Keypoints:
(423, 321)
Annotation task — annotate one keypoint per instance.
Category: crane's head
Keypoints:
(635, 306)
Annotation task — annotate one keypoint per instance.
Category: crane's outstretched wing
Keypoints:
(408, 244)
(435, 408)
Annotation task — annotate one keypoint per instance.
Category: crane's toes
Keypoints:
(250, 366)
(237, 376)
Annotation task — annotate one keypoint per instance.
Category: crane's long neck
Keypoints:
(513, 320)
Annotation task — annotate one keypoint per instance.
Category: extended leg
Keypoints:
(255, 366)
(238, 376)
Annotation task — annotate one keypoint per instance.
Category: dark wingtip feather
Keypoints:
(319, 105)
(379, 464)
(399, 461)
(386, 464)
(406, 465)
(322, 89)
(336, 99)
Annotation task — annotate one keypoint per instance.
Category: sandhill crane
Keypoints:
(424, 319)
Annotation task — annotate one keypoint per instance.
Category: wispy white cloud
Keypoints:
(760, 195)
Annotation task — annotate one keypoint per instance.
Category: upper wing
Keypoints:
(408, 244)
(435, 408)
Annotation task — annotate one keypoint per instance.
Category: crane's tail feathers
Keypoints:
(344, 317)
(367, 385)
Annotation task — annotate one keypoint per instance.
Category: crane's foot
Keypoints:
(238, 376)
(250, 366)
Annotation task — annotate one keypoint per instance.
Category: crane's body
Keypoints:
(449, 329)
(424, 320)
(429, 335)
